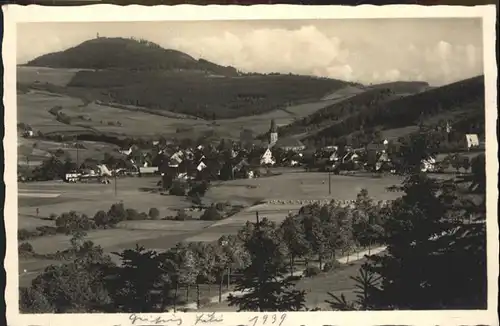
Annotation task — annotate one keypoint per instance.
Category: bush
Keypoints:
(117, 213)
(143, 216)
(25, 247)
(154, 213)
(199, 189)
(312, 271)
(53, 217)
(182, 216)
(24, 234)
(211, 214)
(132, 214)
(220, 206)
(178, 189)
(101, 219)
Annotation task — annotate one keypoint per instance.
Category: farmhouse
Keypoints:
(472, 140)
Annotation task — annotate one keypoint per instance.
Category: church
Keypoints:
(286, 144)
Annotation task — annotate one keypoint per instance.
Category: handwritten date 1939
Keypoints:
(271, 319)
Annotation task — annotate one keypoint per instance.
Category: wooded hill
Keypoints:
(138, 72)
(384, 108)
(124, 53)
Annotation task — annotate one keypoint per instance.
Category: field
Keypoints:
(60, 77)
(59, 197)
(33, 109)
(292, 188)
(34, 151)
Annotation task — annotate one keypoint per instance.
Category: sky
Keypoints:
(436, 50)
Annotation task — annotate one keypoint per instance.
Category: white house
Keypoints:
(28, 133)
(148, 170)
(103, 170)
(72, 177)
(428, 165)
(267, 158)
(201, 166)
(472, 140)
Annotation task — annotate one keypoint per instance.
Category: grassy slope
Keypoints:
(358, 99)
(140, 73)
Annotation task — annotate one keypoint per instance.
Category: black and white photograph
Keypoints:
(217, 166)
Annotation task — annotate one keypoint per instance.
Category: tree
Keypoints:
(294, 237)
(71, 222)
(101, 219)
(418, 147)
(478, 169)
(117, 213)
(180, 263)
(138, 284)
(211, 214)
(78, 286)
(315, 236)
(33, 301)
(434, 257)
(154, 213)
(266, 288)
(366, 282)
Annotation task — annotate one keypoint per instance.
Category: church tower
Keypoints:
(273, 133)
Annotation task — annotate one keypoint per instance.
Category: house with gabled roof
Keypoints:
(267, 158)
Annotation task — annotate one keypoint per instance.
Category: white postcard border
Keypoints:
(14, 14)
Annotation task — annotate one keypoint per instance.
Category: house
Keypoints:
(127, 150)
(290, 144)
(267, 158)
(148, 170)
(176, 159)
(428, 164)
(28, 133)
(472, 140)
(350, 156)
(202, 166)
(103, 170)
(383, 160)
(373, 152)
(72, 176)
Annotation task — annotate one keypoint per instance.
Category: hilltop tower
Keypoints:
(273, 133)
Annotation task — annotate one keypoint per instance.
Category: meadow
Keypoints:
(162, 234)
(60, 77)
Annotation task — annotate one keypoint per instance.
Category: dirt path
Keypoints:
(343, 260)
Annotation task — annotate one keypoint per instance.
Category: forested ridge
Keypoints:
(382, 108)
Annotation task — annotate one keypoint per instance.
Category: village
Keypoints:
(248, 158)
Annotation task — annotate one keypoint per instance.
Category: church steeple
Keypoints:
(273, 126)
(273, 133)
